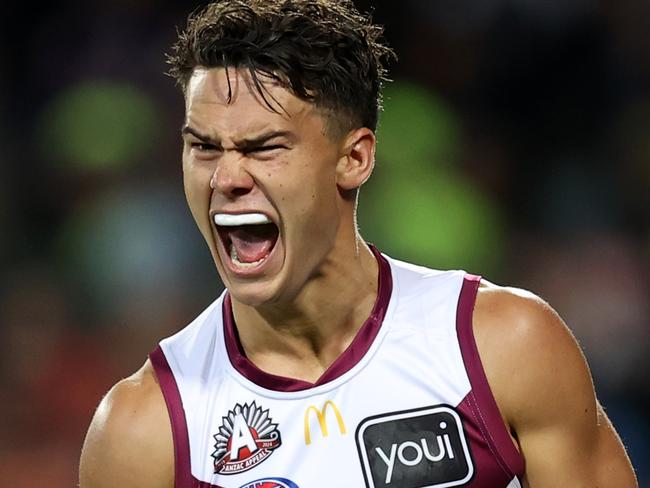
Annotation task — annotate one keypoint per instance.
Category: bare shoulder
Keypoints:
(543, 387)
(129, 442)
(527, 350)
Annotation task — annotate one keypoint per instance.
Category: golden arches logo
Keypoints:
(321, 416)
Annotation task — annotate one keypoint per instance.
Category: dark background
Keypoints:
(515, 144)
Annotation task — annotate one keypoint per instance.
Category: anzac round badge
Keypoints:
(247, 437)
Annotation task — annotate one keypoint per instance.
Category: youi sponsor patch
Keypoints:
(422, 448)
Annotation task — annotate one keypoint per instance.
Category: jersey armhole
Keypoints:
(487, 411)
(182, 469)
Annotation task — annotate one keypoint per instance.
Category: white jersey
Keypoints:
(406, 405)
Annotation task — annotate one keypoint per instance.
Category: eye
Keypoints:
(203, 147)
(267, 149)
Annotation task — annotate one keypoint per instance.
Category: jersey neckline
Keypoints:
(344, 363)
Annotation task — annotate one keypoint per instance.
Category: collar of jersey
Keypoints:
(357, 349)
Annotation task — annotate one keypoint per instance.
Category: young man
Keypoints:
(326, 363)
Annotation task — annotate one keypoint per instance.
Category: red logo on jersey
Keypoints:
(271, 483)
(246, 437)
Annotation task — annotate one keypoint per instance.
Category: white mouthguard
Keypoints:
(232, 220)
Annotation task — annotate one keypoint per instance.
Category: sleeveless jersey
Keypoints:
(407, 405)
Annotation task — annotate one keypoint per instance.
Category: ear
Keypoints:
(358, 160)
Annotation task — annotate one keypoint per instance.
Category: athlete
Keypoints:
(327, 363)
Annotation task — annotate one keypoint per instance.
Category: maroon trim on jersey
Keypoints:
(479, 405)
(489, 468)
(200, 484)
(351, 356)
(182, 470)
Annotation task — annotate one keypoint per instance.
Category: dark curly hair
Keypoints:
(324, 51)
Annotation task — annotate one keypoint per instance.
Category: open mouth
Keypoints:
(248, 238)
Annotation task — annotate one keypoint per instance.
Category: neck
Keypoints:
(301, 339)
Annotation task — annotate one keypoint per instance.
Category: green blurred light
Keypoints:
(99, 124)
(416, 127)
(439, 220)
(417, 206)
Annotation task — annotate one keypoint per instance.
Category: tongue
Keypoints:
(252, 243)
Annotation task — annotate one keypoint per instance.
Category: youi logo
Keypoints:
(414, 448)
(271, 483)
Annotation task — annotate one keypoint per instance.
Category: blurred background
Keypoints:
(515, 144)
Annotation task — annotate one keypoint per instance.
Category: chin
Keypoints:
(256, 294)
(265, 292)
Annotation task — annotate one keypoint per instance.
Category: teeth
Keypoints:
(235, 259)
(232, 220)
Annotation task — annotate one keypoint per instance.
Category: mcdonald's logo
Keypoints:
(321, 416)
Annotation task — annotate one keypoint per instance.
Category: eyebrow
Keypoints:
(251, 143)
(244, 144)
(201, 137)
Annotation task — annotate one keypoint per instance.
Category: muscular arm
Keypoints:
(129, 442)
(544, 389)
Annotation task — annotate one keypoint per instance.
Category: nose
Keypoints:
(230, 178)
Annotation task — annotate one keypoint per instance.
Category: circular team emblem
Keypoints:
(271, 483)
(246, 437)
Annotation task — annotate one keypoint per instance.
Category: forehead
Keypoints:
(228, 102)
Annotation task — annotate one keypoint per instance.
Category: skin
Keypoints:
(301, 182)
(545, 393)
(304, 180)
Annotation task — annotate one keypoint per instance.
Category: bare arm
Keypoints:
(544, 389)
(129, 442)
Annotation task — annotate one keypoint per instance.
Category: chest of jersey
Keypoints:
(379, 428)
(403, 415)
